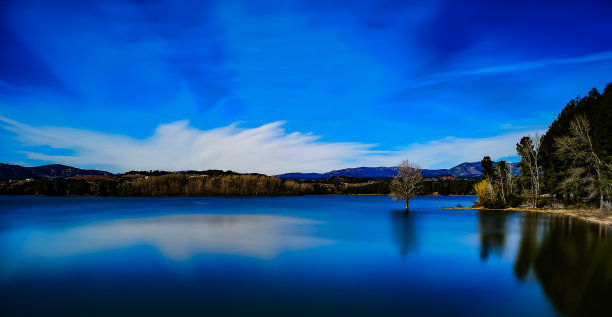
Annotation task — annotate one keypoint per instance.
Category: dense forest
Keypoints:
(219, 183)
(361, 186)
(163, 184)
(570, 165)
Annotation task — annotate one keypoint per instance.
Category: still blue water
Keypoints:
(290, 256)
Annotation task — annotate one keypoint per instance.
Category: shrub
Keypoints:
(514, 201)
(547, 202)
(484, 193)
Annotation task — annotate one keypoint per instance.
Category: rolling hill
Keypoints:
(18, 172)
(463, 170)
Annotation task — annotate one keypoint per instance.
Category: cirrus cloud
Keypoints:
(266, 149)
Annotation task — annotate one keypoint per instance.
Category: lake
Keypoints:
(295, 256)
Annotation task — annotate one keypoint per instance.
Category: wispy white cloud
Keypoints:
(266, 149)
(178, 146)
(450, 151)
(516, 67)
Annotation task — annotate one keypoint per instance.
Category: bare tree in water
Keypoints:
(405, 184)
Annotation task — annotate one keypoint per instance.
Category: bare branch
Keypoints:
(577, 148)
(405, 184)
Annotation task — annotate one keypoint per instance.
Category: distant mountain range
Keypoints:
(463, 170)
(18, 172)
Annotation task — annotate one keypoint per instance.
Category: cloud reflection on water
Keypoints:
(177, 237)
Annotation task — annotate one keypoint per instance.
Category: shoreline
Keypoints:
(589, 215)
(323, 194)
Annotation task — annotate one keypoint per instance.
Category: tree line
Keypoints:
(219, 183)
(170, 184)
(570, 165)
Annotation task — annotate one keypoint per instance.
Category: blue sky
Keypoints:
(279, 86)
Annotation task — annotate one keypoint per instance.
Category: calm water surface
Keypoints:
(289, 256)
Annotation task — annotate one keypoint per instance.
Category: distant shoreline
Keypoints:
(588, 215)
(321, 194)
(327, 194)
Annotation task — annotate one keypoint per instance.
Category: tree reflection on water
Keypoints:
(571, 259)
(404, 231)
(492, 227)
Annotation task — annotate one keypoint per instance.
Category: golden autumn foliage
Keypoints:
(202, 185)
(483, 192)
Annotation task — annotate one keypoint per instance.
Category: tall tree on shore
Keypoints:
(405, 183)
(485, 190)
(510, 179)
(577, 148)
(487, 168)
(597, 108)
(529, 151)
(501, 173)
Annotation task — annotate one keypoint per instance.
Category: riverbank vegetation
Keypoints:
(220, 183)
(163, 184)
(570, 166)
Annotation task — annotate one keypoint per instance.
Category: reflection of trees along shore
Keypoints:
(571, 259)
(492, 228)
